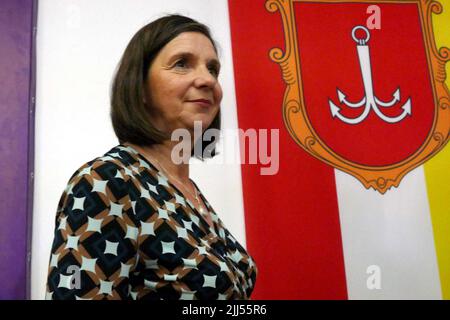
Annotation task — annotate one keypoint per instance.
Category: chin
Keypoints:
(205, 123)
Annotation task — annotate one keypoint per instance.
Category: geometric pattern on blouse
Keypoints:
(123, 231)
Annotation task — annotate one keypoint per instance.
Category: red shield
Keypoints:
(374, 108)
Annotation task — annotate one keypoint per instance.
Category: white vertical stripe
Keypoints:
(221, 181)
(392, 231)
(79, 45)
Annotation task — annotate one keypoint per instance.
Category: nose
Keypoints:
(204, 79)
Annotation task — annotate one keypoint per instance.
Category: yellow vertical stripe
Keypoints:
(437, 172)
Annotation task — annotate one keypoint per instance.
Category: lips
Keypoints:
(202, 102)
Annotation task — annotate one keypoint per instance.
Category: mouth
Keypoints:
(202, 102)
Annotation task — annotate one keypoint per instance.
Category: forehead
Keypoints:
(193, 42)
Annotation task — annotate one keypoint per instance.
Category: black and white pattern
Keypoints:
(123, 231)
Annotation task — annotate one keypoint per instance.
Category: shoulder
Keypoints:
(104, 178)
(111, 165)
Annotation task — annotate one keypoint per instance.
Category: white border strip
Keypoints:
(393, 234)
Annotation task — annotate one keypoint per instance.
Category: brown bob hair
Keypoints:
(129, 115)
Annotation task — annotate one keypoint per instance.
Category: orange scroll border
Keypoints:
(299, 126)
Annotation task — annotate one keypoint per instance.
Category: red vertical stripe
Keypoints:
(292, 218)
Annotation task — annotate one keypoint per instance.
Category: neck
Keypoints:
(162, 154)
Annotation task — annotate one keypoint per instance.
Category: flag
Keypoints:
(351, 213)
(17, 20)
(318, 228)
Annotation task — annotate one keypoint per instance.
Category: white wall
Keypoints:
(79, 44)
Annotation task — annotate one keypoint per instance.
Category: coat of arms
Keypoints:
(370, 101)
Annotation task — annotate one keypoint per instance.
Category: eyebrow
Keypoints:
(186, 54)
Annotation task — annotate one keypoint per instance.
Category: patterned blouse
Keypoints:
(123, 231)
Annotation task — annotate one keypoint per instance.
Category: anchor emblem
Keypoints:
(370, 101)
(306, 69)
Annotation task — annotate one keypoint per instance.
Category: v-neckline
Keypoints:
(215, 227)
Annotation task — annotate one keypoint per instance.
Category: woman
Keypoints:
(131, 224)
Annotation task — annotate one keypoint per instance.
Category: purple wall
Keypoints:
(17, 90)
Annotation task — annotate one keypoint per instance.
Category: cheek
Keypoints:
(167, 87)
(218, 94)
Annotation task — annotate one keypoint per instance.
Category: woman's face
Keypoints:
(182, 85)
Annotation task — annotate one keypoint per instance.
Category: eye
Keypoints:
(181, 63)
(214, 70)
